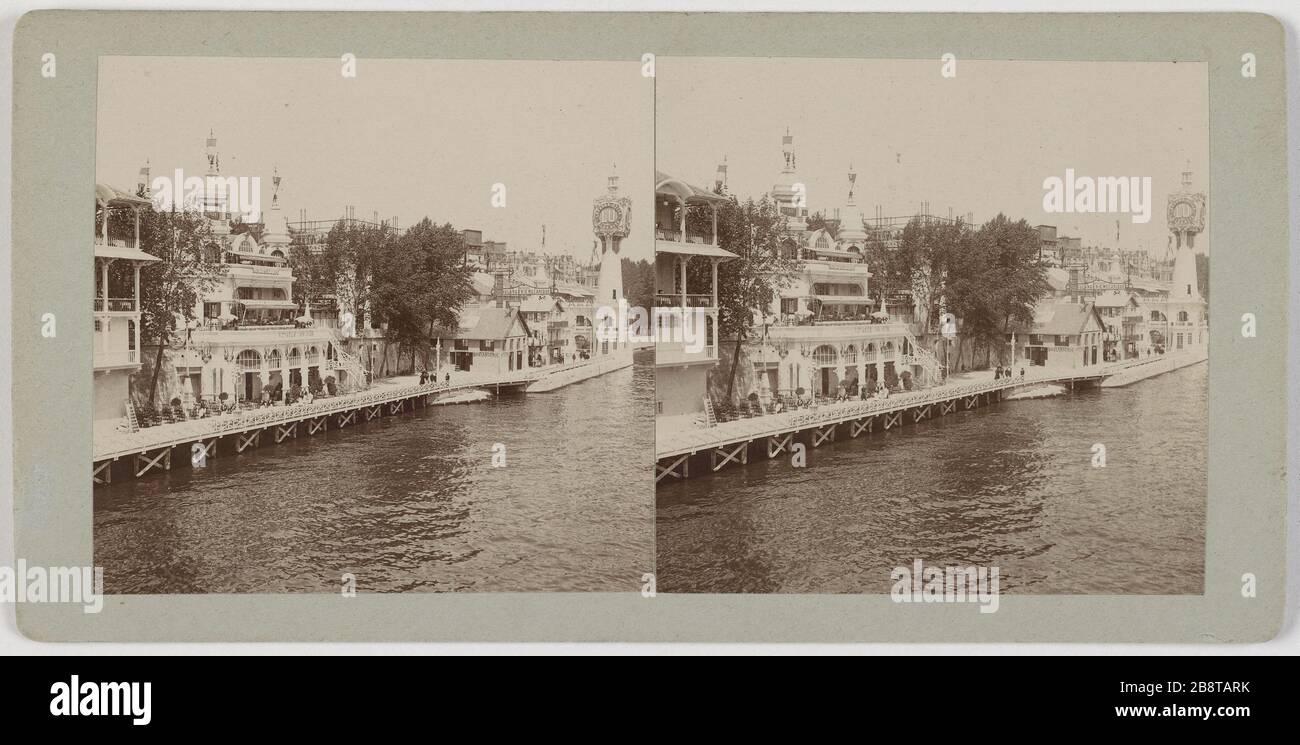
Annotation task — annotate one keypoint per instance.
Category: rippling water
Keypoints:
(408, 503)
(1010, 486)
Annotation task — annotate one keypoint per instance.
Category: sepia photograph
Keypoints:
(347, 326)
(957, 318)
(681, 331)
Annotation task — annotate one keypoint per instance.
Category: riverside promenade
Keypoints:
(679, 440)
(151, 449)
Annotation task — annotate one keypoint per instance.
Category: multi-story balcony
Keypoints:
(260, 335)
(257, 271)
(835, 331)
(116, 305)
(677, 353)
(122, 358)
(679, 300)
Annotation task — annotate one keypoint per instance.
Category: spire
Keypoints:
(613, 179)
(853, 180)
(144, 185)
(720, 182)
(274, 234)
(1187, 175)
(214, 159)
(787, 148)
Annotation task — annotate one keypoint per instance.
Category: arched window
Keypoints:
(824, 355)
(850, 355)
(1182, 316)
(870, 355)
(249, 359)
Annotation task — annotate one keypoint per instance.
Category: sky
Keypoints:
(981, 142)
(406, 138)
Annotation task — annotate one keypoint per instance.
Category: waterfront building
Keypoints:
(118, 260)
(550, 335)
(1064, 336)
(490, 341)
(681, 372)
(248, 333)
(823, 333)
(1125, 318)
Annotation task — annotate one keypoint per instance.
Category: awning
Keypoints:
(692, 249)
(268, 304)
(257, 282)
(844, 299)
(122, 252)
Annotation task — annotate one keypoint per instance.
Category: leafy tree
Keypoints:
(343, 265)
(170, 289)
(1203, 276)
(988, 278)
(418, 283)
(995, 281)
(754, 231)
(638, 282)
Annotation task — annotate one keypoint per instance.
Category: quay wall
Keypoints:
(1165, 364)
(560, 378)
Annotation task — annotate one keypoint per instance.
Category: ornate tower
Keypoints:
(214, 197)
(852, 228)
(789, 193)
(1186, 218)
(273, 232)
(611, 216)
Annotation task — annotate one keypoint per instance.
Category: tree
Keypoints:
(418, 283)
(819, 221)
(1203, 276)
(988, 278)
(343, 265)
(755, 232)
(170, 289)
(638, 282)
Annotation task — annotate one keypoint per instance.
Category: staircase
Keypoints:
(348, 363)
(923, 357)
(709, 419)
(132, 423)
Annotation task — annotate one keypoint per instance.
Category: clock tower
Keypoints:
(611, 216)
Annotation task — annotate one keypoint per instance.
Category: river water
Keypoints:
(409, 503)
(1011, 486)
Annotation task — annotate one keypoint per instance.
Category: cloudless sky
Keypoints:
(980, 142)
(407, 138)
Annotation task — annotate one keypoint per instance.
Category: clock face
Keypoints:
(609, 213)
